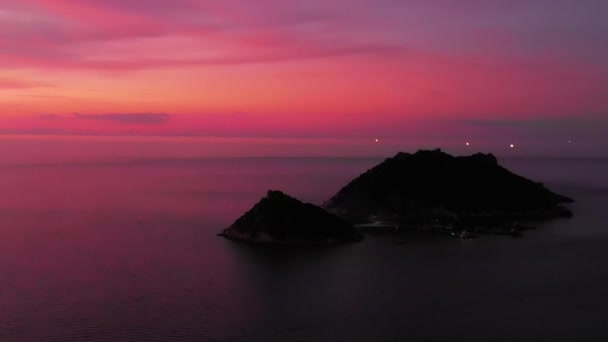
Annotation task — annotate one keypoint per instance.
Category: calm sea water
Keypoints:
(124, 249)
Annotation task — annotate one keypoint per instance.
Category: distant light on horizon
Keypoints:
(512, 146)
(377, 140)
(468, 144)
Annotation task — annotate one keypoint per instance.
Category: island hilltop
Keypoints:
(433, 190)
(283, 220)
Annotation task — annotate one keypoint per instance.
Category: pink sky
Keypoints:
(516, 69)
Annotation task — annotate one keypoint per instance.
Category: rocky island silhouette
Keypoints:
(429, 190)
(281, 219)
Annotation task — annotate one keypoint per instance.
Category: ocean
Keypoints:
(117, 241)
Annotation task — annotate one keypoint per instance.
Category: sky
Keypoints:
(524, 71)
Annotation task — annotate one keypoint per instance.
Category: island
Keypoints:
(279, 219)
(434, 191)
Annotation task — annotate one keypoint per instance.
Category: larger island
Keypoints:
(433, 190)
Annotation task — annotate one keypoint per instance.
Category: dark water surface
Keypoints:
(126, 251)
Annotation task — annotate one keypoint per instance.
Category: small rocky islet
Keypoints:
(281, 219)
(429, 190)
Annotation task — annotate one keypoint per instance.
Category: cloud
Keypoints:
(118, 118)
(43, 131)
(538, 122)
(77, 34)
(127, 118)
(142, 63)
(64, 33)
(577, 127)
(9, 83)
(48, 116)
